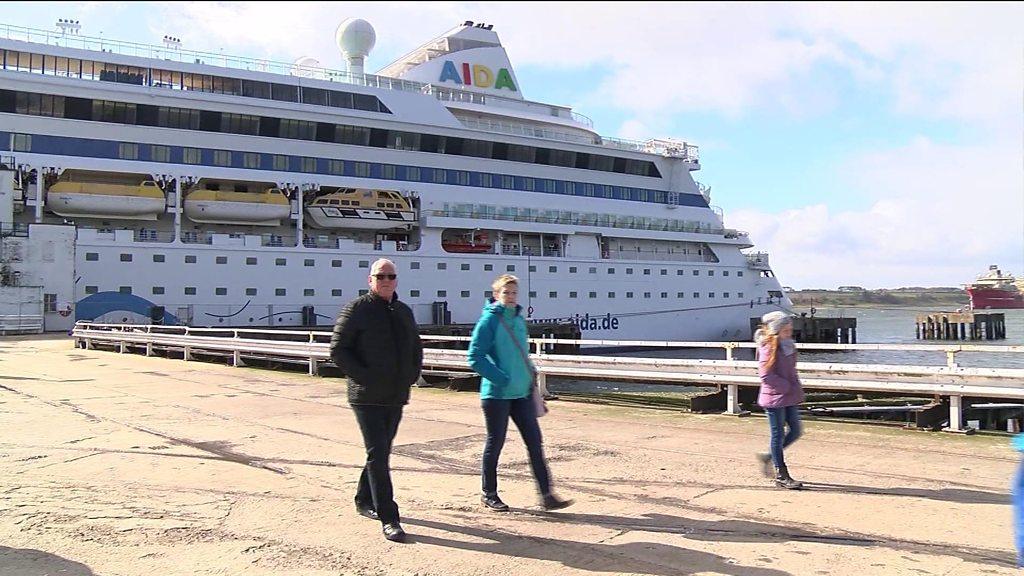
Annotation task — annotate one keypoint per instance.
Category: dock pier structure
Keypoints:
(820, 330)
(960, 326)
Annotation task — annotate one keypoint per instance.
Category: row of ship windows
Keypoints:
(172, 79)
(38, 104)
(286, 163)
(337, 293)
(415, 265)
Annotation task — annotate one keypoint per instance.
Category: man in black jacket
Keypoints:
(377, 345)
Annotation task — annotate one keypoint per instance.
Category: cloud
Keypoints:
(938, 215)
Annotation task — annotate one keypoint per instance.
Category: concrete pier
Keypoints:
(123, 464)
(820, 330)
(960, 326)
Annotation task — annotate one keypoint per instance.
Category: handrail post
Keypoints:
(187, 353)
(149, 348)
(951, 358)
(732, 402)
(542, 385)
(956, 416)
(313, 366)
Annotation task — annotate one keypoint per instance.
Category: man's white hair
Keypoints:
(377, 264)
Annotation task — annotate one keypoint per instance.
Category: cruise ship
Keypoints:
(153, 184)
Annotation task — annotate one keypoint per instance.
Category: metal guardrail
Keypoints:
(21, 324)
(311, 347)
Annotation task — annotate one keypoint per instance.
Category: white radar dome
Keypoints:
(355, 37)
(306, 67)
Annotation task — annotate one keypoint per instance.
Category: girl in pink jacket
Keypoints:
(781, 392)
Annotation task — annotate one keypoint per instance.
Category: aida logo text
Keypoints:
(477, 75)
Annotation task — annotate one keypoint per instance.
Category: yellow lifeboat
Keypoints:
(95, 195)
(265, 208)
(362, 209)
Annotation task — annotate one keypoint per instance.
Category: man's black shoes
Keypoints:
(494, 503)
(394, 532)
(368, 512)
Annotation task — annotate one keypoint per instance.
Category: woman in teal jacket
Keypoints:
(499, 353)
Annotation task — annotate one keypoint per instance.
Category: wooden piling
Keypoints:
(960, 326)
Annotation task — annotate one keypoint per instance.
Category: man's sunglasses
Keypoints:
(385, 276)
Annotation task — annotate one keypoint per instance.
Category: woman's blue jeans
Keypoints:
(778, 418)
(524, 414)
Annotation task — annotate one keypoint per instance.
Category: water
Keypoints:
(874, 326)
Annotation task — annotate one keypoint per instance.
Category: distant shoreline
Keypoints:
(944, 298)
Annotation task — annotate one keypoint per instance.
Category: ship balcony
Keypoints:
(758, 261)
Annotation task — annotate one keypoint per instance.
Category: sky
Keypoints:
(878, 145)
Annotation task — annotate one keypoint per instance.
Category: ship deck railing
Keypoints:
(311, 347)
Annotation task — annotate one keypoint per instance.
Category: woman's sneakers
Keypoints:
(551, 502)
(784, 480)
(493, 503)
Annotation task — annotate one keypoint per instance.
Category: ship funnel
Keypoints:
(355, 38)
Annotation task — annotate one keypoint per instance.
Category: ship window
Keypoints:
(414, 293)
(414, 265)
(464, 294)
(572, 269)
(725, 294)
(680, 294)
(21, 142)
(125, 289)
(116, 112)
(280, 292)
(740, 273)
(462, 178)
(442, 293)
(126, 151)
(564, 158)
(518, 153)
(664, 294)
(629, 294)
(222, 157)
(440, 176)
(221, 291)
(533, 268)
(364, 291)
(696, 272)
(529, 184)
(190, 290)
(664, 272)
(91, 289)
(510, 268)
(356, 135)
(281, 262)
(629, 270)
(309, 262)
(250, 261)
(552, 269)
(442, 266)
(679, 272)
(126, 257)
(465, 266)
(611, 270)
(190, 259)
(251, 159)
(739, 294)
(309, 164)
(647, 271)
(308, 292)
(336, 167)
(39, 104)
(280, 162)
(158, 290)
(711, 294)
(158, 257)
(239, 124)
(488, 267)
(336, 292)
(533, 293)
(222, 260)
(297, 129)
(363, 169)
(711, 272)
(340, 99)
(160, 153)
(389, 171)
(486, 180)
(403, 140)
(592, 295)
(507, 182)
(254, 89)
(191, 156)
(647, 294)
(572, 294)
(725, 273)
(317, 96)
(49, 302)
(364, 263)
(696, 294)
(250, 291)
(593, 270)
(412, 173)
(548, 185)
(167, 117)
(284, 92)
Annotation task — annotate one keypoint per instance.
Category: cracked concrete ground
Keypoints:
(124, 465)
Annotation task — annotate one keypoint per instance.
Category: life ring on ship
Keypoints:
(529, 311)
(65, 309)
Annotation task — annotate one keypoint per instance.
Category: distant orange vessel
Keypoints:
(995, 290)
